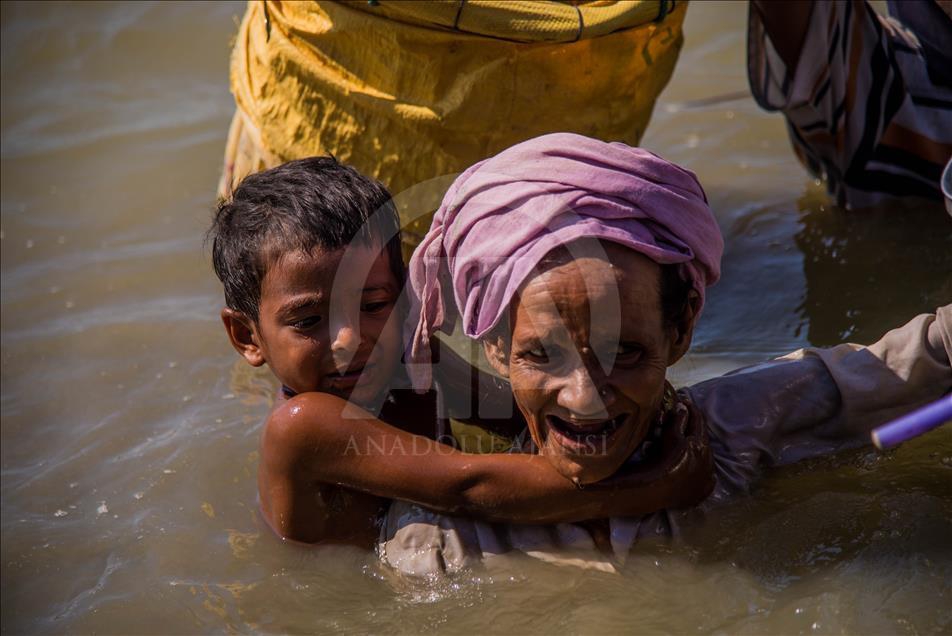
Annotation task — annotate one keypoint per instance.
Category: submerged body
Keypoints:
(309, 257)
(581, 267)
(867, 99)
(809, 404)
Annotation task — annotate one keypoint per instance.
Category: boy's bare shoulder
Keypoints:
(302, 442)
(308, 423)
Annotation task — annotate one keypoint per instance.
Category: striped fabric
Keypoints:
(862, 109)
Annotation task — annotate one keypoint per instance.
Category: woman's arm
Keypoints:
(325, 440)
(816, 402)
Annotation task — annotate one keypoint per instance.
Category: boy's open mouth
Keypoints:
(585, 435)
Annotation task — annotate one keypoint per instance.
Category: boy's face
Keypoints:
(324, 323)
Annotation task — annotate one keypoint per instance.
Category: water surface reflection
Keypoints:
(868, 271)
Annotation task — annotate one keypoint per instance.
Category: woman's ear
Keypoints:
(497, 353)
(243, 335)
(683, 328)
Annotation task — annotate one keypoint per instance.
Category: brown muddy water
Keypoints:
(129, 428)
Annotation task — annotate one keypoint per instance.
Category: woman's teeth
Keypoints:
(584, 431)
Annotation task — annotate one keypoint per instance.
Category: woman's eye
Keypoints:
(539, 354)
(306, 323)
(627, 350)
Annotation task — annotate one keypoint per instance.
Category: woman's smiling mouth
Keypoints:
(585, 436)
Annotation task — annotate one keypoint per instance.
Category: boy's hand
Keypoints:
(689, 467)
(681, 475)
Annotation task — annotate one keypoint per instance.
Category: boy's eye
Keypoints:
(374, 307)
(306, 323)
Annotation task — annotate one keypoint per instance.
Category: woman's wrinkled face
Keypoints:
(587, 358)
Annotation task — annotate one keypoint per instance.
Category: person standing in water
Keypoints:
(581, 268)
(867, 98)
(309, 257)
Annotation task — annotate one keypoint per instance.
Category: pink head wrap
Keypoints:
(504, 214)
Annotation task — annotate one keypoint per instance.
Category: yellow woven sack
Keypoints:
(407, 91)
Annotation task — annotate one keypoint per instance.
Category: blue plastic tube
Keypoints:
(914, 424)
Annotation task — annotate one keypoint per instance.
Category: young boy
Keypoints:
(309, 256)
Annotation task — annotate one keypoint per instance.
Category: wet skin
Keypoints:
(323, 326)
(587, 357)
(324, 323)
(328, 467)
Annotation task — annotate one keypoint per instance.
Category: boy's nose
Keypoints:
(346, 339)
(585, 397)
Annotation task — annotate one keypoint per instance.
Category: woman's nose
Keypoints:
(584, 396)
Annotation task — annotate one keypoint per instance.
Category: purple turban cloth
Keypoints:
(504, 214)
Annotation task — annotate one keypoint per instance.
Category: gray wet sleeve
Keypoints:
(766, 415)
(905, 369)
(815, 402)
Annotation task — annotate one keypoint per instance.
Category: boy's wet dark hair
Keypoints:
(299, 205)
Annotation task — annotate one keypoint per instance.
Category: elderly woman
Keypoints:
(582, 266)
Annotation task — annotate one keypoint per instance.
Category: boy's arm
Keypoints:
(311, 440)
(296, 507)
